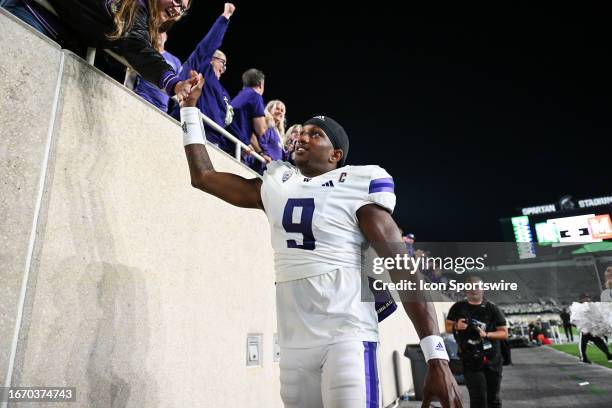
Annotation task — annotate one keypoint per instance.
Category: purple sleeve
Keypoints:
(174, 62)
(168, 81)
(205, 49)
(258, 107)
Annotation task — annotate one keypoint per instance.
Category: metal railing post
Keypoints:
(91, 55)
(231, 138)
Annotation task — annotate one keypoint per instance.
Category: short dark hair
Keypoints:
(470, 277)
(252, 78)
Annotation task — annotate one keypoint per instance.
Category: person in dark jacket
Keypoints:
(567, 325)
(128, 27)
(479, 327)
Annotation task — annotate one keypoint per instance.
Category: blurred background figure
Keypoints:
(567, 325)
(249, 110)
(409, 241)
(606, 294)
(270, 143)
(586, 337)
(290, 139)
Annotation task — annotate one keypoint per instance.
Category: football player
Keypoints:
(320, 212)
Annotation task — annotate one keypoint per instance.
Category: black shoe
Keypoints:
(586, 361)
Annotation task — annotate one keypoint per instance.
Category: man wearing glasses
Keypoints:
(212, 63)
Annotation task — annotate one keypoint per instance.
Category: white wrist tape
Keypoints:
(193, 128)
(433, 347)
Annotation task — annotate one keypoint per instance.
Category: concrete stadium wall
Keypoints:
(119, 278)
(29, 73)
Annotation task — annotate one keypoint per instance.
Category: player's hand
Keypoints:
(228, 10)
(181, 90)
(196, 83)
(441, 385)
(267, 158)
(482, 333)
(461, 325)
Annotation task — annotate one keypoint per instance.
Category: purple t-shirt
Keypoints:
(271, 144)
(151, 92)
(247, 105)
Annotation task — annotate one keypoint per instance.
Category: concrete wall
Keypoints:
(29, 72)
(141, 290)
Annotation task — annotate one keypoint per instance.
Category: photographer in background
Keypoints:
(479, 327)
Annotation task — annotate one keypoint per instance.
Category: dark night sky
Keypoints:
(474, 112)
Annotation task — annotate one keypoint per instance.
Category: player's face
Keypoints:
(313, 147)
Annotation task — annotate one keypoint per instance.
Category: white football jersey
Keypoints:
(313, 221)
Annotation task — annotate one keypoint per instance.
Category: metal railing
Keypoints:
(90, 58)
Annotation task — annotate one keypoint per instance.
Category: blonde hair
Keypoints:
(280, 128)
(125, 15)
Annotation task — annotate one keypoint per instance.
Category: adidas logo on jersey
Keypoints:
(440, 347)
(328, 184)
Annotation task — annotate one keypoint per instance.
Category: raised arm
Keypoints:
(378, 227)
(206, 48)
(229, 187)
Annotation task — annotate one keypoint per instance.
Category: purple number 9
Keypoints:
(306, 206)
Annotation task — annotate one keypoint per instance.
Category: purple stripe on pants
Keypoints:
(371, 374)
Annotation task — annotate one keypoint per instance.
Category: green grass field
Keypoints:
(574, 332)
(594, 354)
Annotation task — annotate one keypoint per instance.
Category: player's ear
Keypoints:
(336, 156)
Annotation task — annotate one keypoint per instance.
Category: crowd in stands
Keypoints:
(138, 30)
(544, 306)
